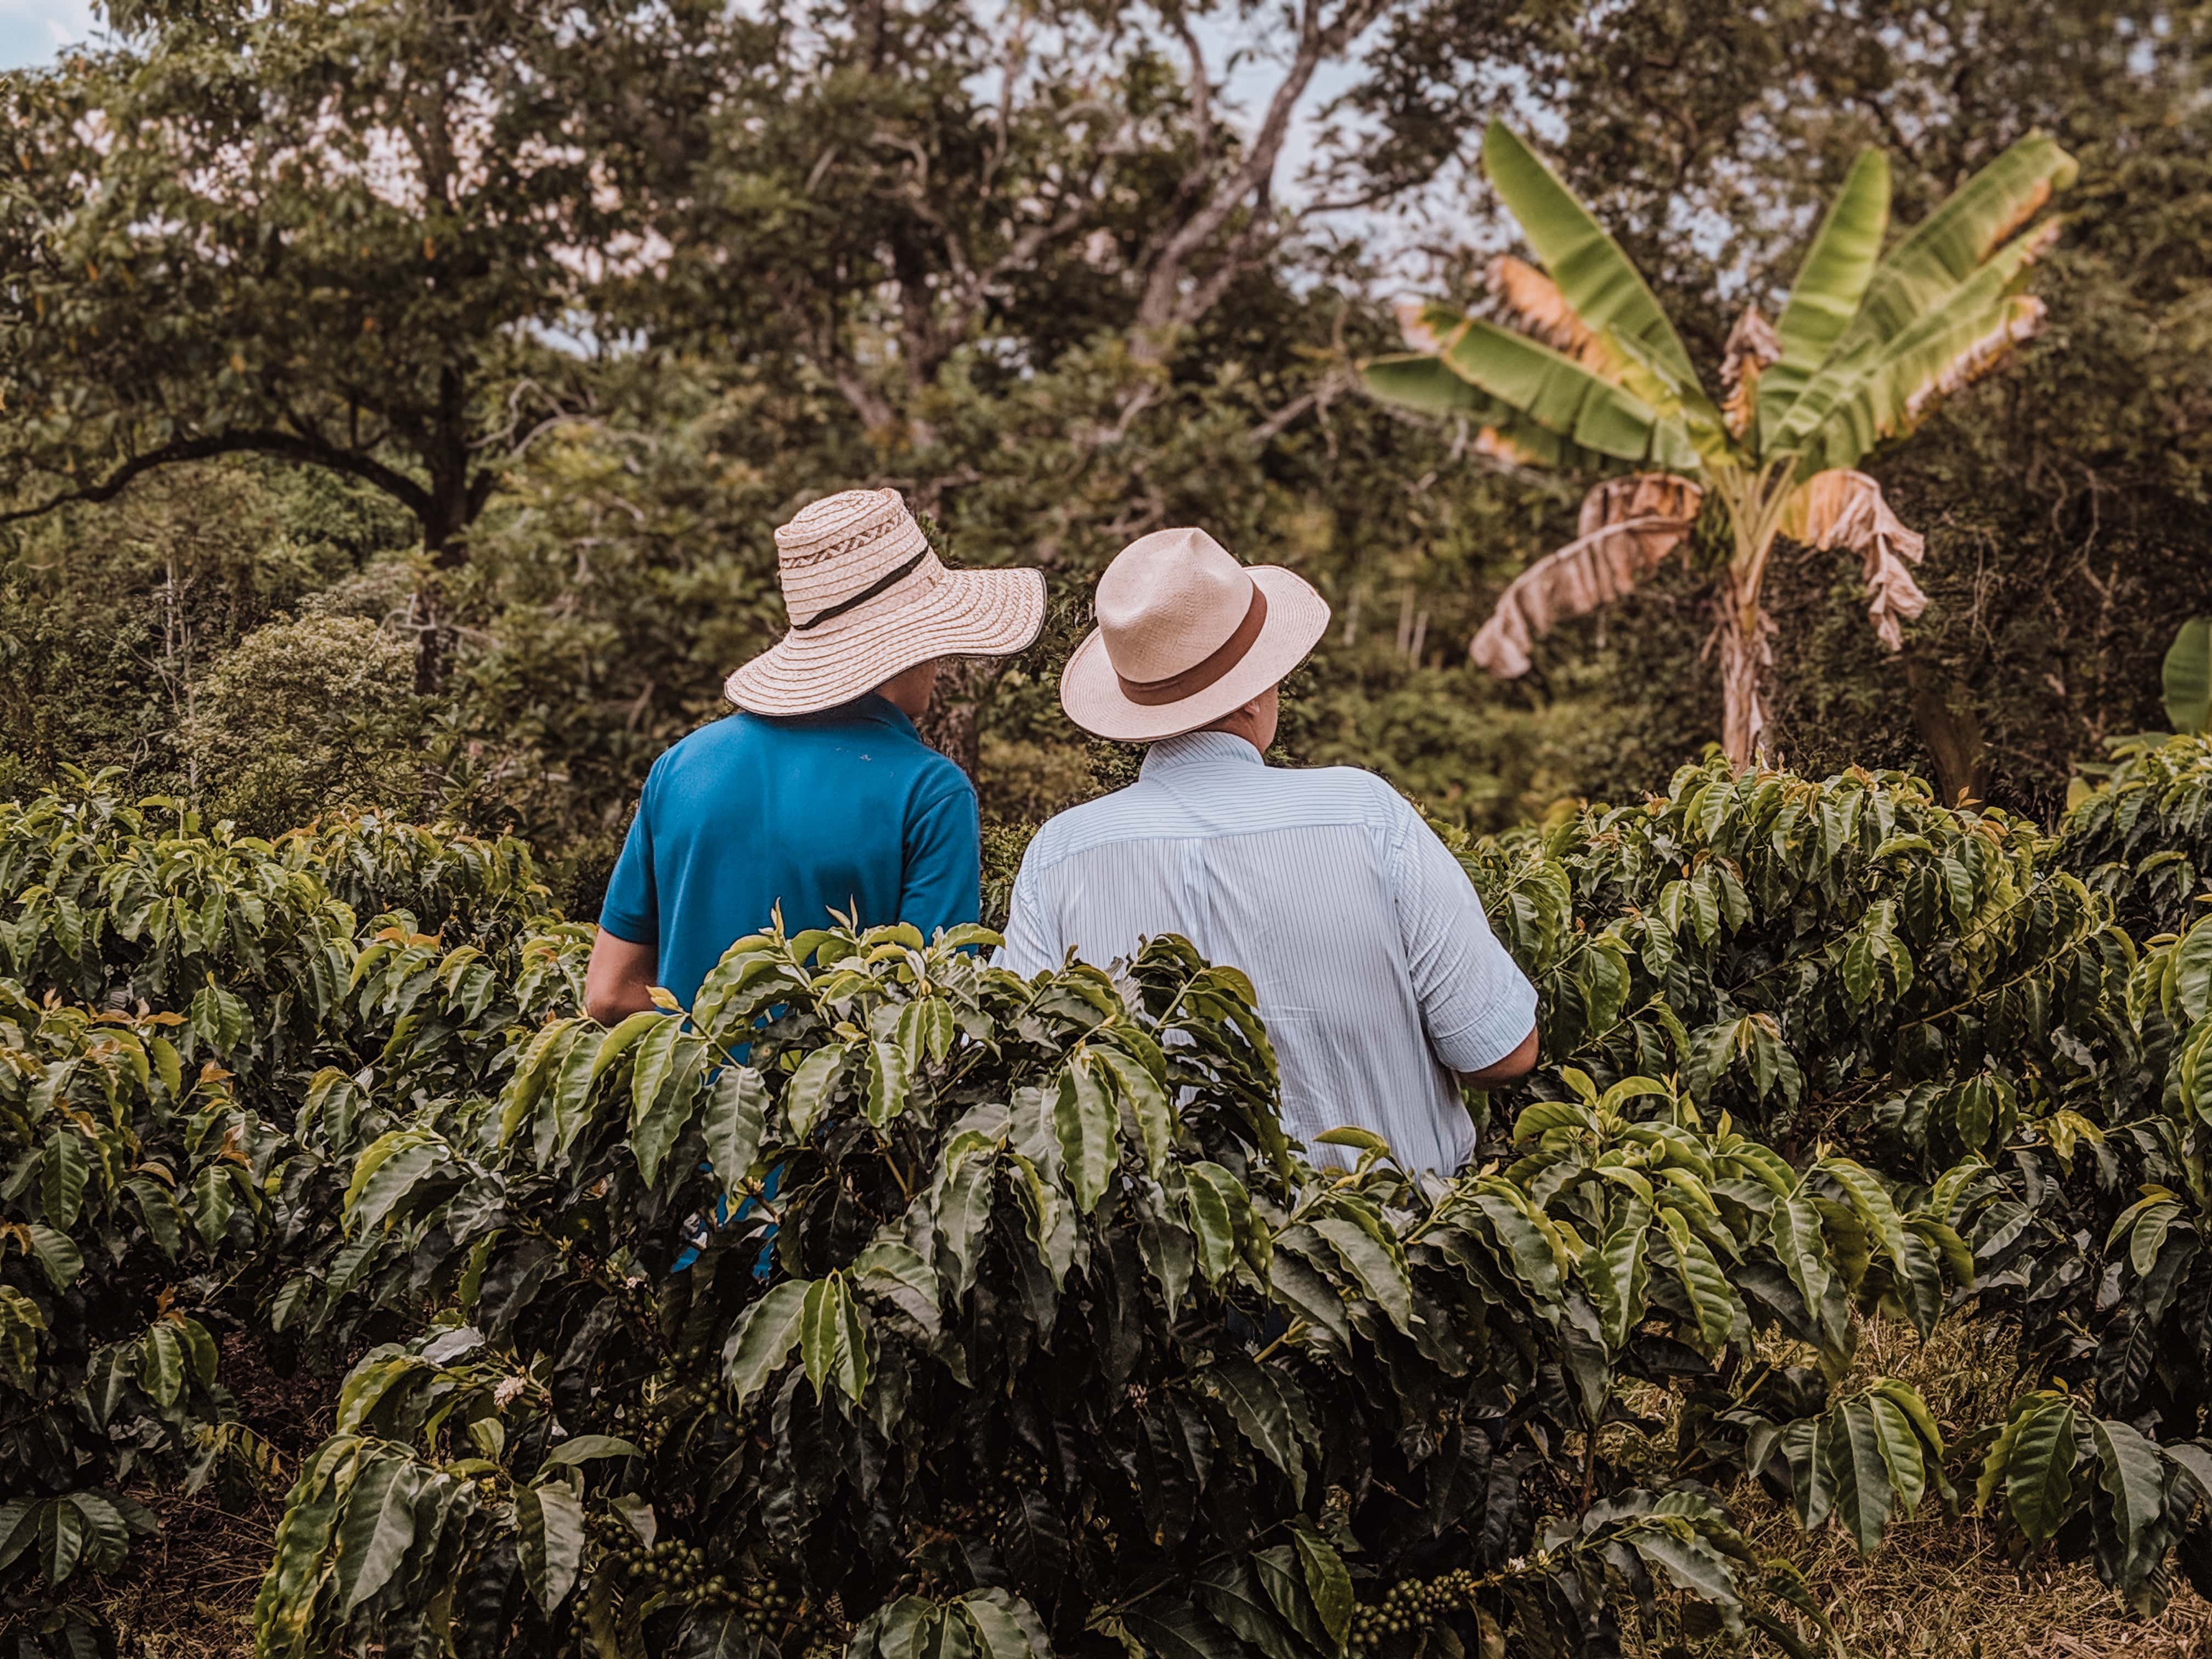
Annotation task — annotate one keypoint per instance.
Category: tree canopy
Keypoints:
(1060, 281)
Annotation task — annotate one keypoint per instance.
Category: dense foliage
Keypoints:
(173, 994)
(452, 459)
(891, 1299)
(1832, 959)
(874, 279)
(1028, 1331)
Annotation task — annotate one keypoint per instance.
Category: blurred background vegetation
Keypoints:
(398, 399)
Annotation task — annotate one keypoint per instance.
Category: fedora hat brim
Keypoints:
(964, 613)
(1091, 691)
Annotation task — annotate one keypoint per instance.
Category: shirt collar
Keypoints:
(882, 710)
(1198, 749)
(876, 710)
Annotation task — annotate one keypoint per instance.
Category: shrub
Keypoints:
(2144, 840)
(1840, 960)
(1044, 1336)
(1028, 1331)
(307, 717)
(170, 999)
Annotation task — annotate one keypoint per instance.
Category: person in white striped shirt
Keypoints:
(1381, 982)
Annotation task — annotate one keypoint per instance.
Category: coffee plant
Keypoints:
(188, 1021)
(1933, 985)
(1016, 1324)
(883, 1301)
(2144, 840)
(1848, 960)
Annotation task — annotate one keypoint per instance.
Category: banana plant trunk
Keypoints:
(1753, 505)
(1746, 659)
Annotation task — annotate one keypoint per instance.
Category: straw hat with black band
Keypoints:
(868, 599)
(1186, 636)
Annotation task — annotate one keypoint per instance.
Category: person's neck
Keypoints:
(1236, 728)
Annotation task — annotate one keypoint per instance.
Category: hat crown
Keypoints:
(842, 544)
(1168, 602)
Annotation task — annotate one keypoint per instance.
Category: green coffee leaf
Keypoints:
(551, 1520)
(2039, 1467)
(1327, 1582)
(1374, 1259)
(378, 1529)
(1084, 1122)
(58, 1254)
(2133, 1474)
(891, 1080)
(624, 1037)
(161, 1364)
(809, 1090)
(763, 1338)
(735, 1119)
(833, 1339)
(63, 1171)
(1147, 1102)
(1616, 1272)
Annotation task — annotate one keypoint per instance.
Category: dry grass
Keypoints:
(1941, 1587)
(189, 1594)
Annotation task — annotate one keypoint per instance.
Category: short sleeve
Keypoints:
(631, 909)
(943, 884)
(1033, 945)
(1476, 1004)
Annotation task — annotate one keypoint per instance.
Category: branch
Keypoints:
(1334, 381)
(1201, 102)
(1003, 127)
(1160, 308)
(287, 445)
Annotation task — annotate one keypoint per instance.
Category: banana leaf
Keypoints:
(1905, 387)
(1866, 386)
(2187, 678)
(1593, 274)
(1416, 379)
(1558, 393)
(1675, 401)
(1944, 249)
(1830, 286)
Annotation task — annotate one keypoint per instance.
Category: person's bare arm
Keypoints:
(1510, 1069)
(619, 980)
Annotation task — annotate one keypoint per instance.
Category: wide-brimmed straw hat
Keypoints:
(1185, 635)
(868, 600)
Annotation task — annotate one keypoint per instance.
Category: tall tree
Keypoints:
(339, 236)
(920, 204)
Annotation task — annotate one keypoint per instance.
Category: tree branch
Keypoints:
(286, 445)
(1162, 308)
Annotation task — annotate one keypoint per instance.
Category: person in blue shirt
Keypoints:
(818, 795)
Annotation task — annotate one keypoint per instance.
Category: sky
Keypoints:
(32, 31)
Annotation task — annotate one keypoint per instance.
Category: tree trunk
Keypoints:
(445, 544)
(1952, 735)
(949, 723)
(1747, 653)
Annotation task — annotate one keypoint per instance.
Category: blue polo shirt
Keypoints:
(847, 810)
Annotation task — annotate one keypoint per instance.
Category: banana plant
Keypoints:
(1593, 374)
(2186, 677)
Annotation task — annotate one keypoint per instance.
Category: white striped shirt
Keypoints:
(1377, 971)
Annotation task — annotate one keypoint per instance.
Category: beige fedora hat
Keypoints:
(1186, 635)
(868, 600)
